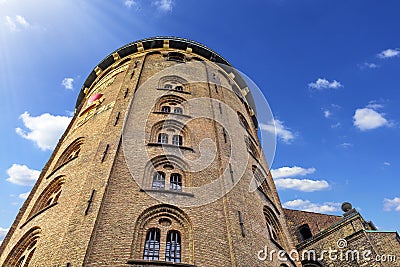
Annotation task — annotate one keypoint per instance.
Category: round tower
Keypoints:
(161, 165)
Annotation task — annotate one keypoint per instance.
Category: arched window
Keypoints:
(152, 244)
(171, 103)
(49, 196)
(174, 83)
(243, 121)
(158, 180)
(70, 153)
(166, 232)
(173, 247)
(161, 131)
(304, 232)
(261, 181)
(167, 172)
(21, 255)
(178, 110)
(162, 138)
(258, 175)
(166, 109)
(177, 140)
(251, 147)
(274, 227)
(175, 182)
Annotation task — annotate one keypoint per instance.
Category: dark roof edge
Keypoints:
(304, 211)
(149, 43)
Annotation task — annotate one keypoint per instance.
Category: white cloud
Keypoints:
(70, 113)
(24, 195)
(327, 113)
(368, 119)
(22, 175)
(277, 127)
(21, 21)
(369, 65)
(163, 5)
(307, 205)
(44, 130)
(387, 163)
(336, 125)
(346, 145)
(282, 180)
(68, 83)
(323, 83)
(291, 172)
(389, 53)
(390, 204)
(11, 24)
(131, 3)
(3, 232)
(374, 105)
(305, 185)
(15, 24)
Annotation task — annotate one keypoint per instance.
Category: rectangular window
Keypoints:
(177, 140)
(158, 180)
(163, 138)
(176, 182)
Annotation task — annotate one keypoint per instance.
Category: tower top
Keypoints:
(165, 42)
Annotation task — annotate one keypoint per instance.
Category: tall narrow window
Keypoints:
(165, 109)
(54, 197)
(173, 248)
(152, 245)
(49, 196)
(27, 255)
(251, 147)
(175, 182)
(177, 140)
(178, 110)
(70, 153)
(243, 121)
(21, 255)
(163, 138)
(158, 180)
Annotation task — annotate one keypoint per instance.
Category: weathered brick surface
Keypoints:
(104, 211)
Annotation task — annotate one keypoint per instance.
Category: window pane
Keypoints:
(163, 138)
(175, 182)
(178, 110)
(167, 86)
(177, 140)
(173, 247)
(152, 245)
(158, 180)
(179, 88)
(166, 109)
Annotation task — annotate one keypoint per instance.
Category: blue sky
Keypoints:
(329, 70)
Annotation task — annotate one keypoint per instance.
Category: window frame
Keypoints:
(173, 248)
(158, 178)
(152, 244)
(162, 138)
(175, 182)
